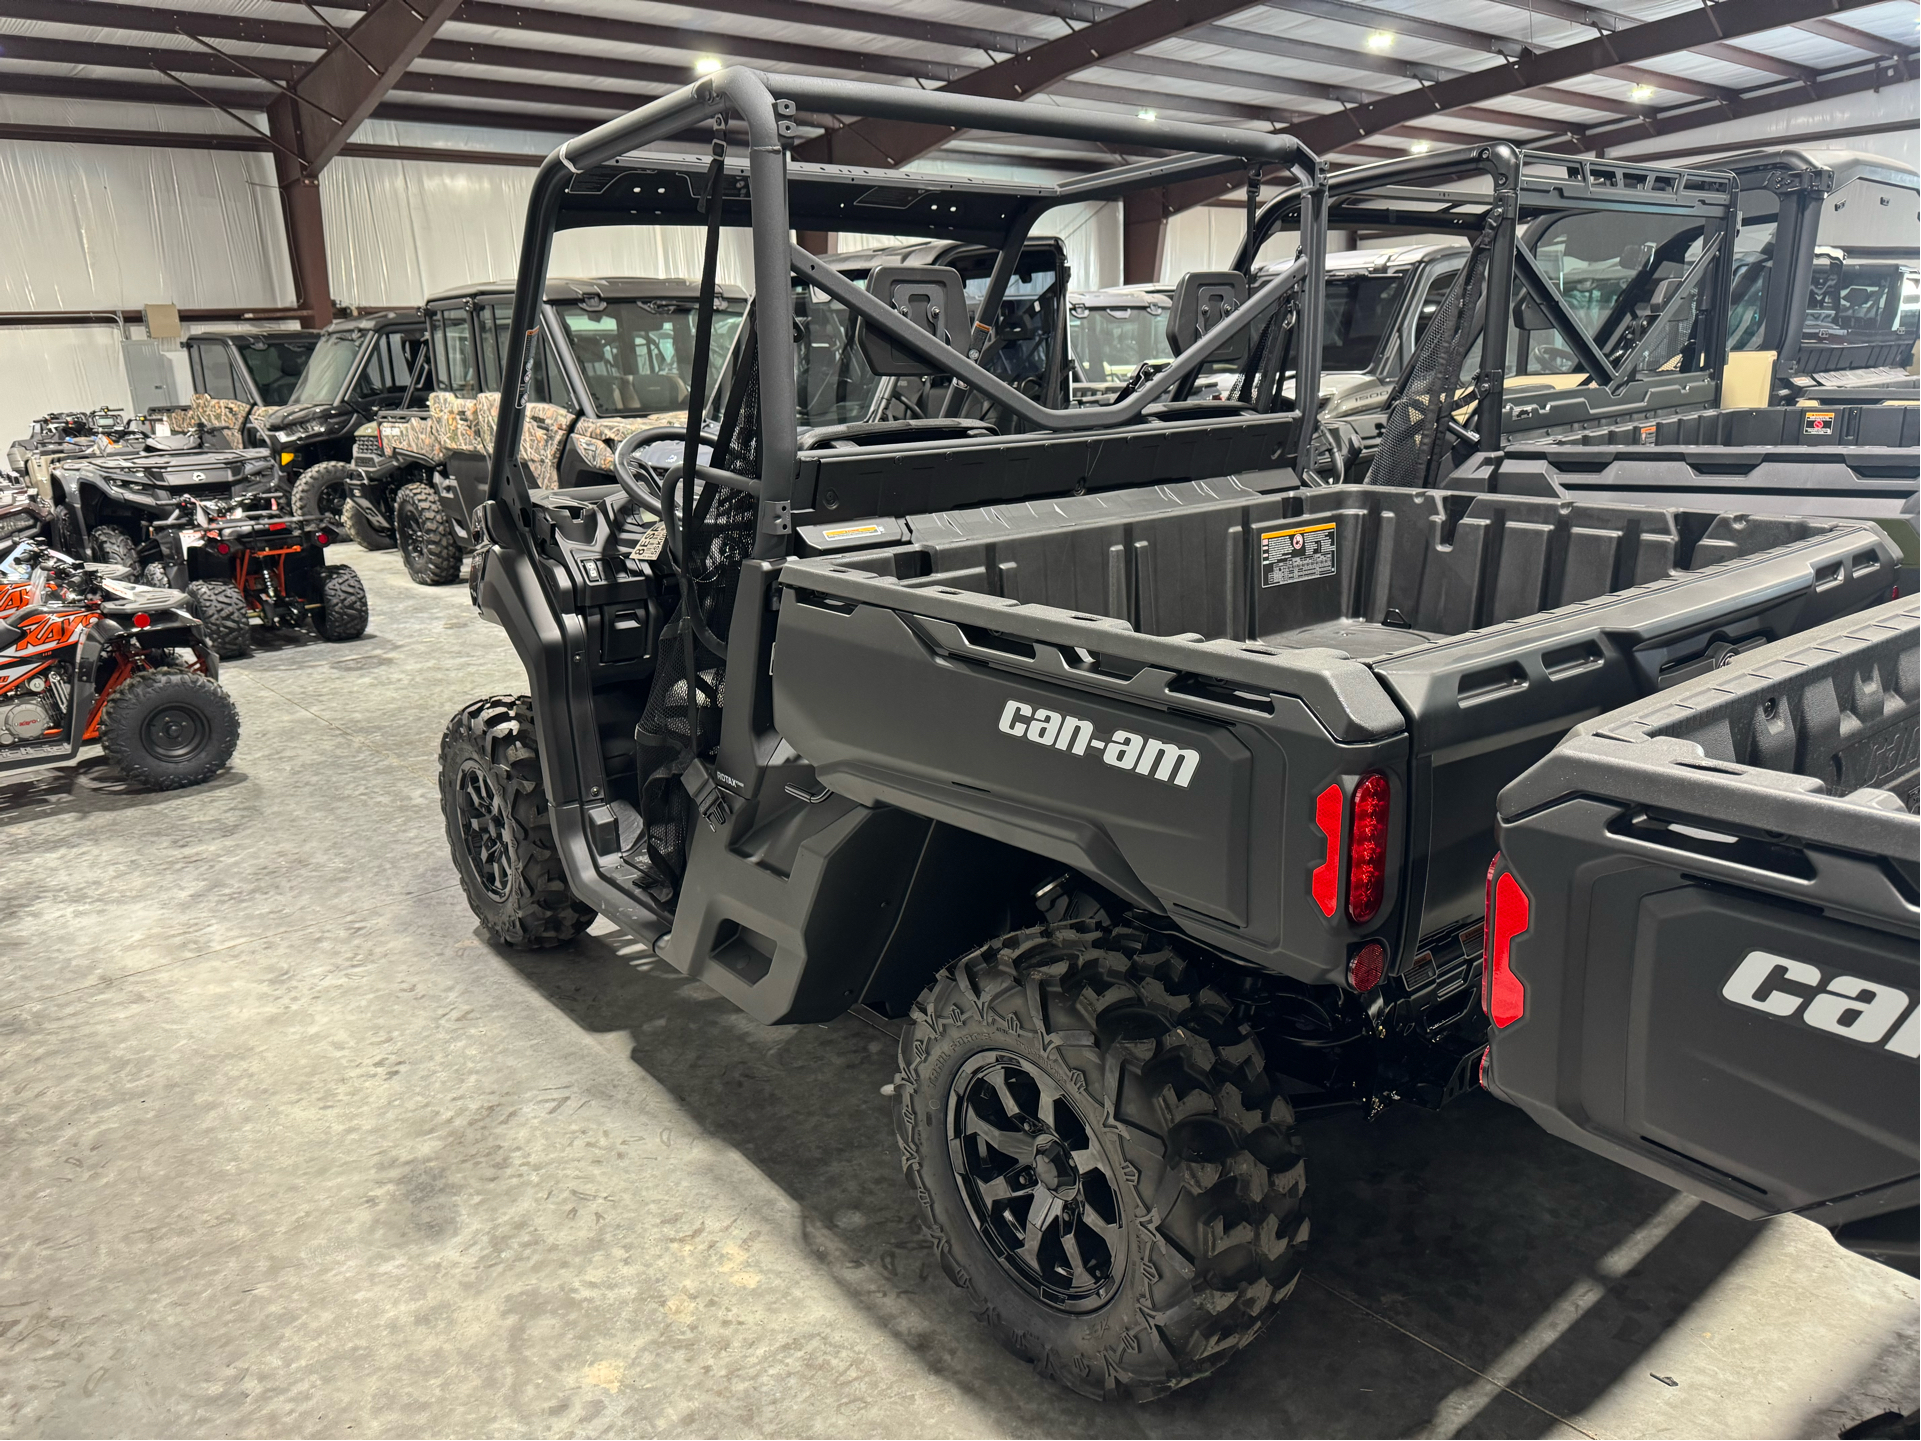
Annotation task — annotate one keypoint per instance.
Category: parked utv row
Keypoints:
(1148, 780)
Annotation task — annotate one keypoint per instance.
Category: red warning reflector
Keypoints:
(1502, 994)
(142, 620)
(1327, 875)
(1367, 966)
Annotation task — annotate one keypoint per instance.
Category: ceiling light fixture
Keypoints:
(1421, 147)
(1642, 93)
(706, 65)
(1380, 39)
(1146, 115)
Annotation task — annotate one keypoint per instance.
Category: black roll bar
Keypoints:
(767, 105)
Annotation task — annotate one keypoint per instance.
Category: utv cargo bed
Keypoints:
(1179, 690)
(1704, 934)
(1855, 463)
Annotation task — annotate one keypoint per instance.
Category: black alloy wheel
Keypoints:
(1040, 1191)
(484, 827)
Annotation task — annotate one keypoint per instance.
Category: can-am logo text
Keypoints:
(1124, 750)
(1863, 1011)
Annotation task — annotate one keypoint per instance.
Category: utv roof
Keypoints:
(1847, 165)
(608, 287)
(1130, 297)
(1352, 262)
(378, 320)
(262, 334)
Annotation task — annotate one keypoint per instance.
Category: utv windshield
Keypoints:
(637, 356)
(1358, 315)
(276, 366)
(1846, 295)
(325, 377)
(1111, 342)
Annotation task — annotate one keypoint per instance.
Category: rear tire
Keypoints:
(1091, 1074)
(363, 534)
(321, 491)
(113, 546)
(225, 618)
(427, 540)
(343, 604)
(154, 574)
(499, 828)
(168, 729)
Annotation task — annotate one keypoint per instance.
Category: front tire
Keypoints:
(168, 729)
(1101, 1157)
(499, 829)
(225, 618)
(343, 604)
(113, 546)
(427, 540)
(321, 491)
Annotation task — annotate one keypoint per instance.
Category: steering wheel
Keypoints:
(635, 476)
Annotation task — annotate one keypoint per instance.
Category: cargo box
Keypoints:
(1702, 933)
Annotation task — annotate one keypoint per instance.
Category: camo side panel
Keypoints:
(453, 424)
(594, 441)
(486, 418)
(543, 433)
(416, 437)
(179, 421)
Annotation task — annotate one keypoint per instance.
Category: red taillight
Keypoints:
(1502, 995)
(277, 525)
(142, 621)
(1327, 875)
(322, 538)
(224, 548)
(1367, 966)
(1367, 850)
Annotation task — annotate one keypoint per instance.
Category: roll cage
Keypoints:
(588, 182)
(1526, 191)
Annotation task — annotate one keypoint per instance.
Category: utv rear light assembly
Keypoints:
(142, 621)
(322, 538)
(223, 547)
(1367, 967)
(1502, 995)
(1367, 850)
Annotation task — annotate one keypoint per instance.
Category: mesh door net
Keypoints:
(1415, 440)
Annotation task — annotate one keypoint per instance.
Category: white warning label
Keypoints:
(1304, 553)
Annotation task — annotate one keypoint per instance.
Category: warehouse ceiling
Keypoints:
(1357, 81)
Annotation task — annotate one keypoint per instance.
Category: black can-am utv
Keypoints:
(247, 563)
(358, 368)
(1149, 780)
(238, 375)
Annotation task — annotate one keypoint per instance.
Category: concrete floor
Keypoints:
(287, 1148)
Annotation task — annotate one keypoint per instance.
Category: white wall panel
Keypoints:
(104, 227)
(65, 368)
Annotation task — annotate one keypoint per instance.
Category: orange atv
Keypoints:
(86, 657)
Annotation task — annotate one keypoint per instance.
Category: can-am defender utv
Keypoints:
(359, 368)
(91, 658)
(244, 563)
(238, 374)
(1151, 782)
(615, 357)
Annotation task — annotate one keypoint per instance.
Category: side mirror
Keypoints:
(1529, 314)
(930, 298)
(1202, 300)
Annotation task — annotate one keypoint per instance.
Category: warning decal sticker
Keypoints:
(1817, 422)
(1304, 553)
